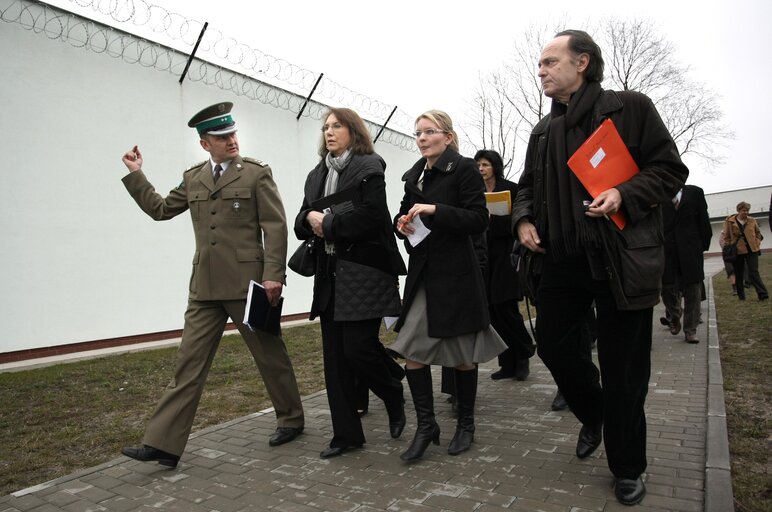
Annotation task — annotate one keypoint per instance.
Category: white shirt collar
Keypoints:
(677, 198)
(224, 165)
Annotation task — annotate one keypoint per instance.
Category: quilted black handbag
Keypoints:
(303, 260)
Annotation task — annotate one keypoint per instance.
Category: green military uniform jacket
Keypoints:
(239, 225)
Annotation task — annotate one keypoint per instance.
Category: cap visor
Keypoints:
(223, 131)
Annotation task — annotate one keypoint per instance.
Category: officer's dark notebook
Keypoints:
(259, 314)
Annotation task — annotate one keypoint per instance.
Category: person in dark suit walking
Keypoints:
(444, 317)
(687, 235)
(241, 235)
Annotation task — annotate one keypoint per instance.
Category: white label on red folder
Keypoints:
(597, 158)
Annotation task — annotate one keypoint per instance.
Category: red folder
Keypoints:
(603, 162)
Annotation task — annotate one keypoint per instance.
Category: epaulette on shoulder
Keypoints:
(196, 166)
(254, 161)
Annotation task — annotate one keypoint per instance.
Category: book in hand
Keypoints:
(259, 314)
(499, 203)
(337, 203)
(603, 162)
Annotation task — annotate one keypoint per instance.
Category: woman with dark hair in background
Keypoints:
(444, 319)
(344, 210)
(502, 285)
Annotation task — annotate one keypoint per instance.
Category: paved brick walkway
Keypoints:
(522, 459)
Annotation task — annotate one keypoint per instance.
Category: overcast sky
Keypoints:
(421, 55)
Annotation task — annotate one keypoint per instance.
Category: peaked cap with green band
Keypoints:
(214, 120)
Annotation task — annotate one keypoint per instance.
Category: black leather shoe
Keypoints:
(590, 437)
(522, 370)
(148, 453)
(334, 451)
(664, 321)
(629, 491)
(503, 374)
(559, 402)
(284, 435)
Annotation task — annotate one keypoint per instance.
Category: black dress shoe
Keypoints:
(559, 402)
(284, 435)
(521, 369)
(590, 437)
(148, 453)
(629, 491)
(334, 451)
(503, 374)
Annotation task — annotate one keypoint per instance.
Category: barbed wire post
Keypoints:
(383, 126)
(308, 98)
(193, 54)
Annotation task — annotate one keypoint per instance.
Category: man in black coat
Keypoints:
(687, 236)
(586, 258)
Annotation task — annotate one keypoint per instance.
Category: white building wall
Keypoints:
(723, 204)
(79, 260)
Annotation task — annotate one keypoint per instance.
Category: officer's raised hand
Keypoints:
(133, 159)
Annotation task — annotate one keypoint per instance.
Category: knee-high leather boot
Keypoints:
(428, 431)
(466, 393)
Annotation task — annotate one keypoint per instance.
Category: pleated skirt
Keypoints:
(414, 343)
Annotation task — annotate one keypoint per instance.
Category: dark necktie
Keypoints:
(217, 171)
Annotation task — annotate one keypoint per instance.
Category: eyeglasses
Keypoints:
(334, 126)
(429, 132)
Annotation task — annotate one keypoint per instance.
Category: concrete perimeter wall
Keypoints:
(79, 260)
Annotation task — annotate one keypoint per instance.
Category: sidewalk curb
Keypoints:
(718, 476)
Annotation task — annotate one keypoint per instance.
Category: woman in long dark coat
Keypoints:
(355, 284)
(503, 289)
(444, 317)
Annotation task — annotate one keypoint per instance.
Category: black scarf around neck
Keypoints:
(570, 231)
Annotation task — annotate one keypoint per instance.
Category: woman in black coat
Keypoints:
(502, 285)
(355, 284)
(444, 317)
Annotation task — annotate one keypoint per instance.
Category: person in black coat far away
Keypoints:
(687, 235)
(501, 280)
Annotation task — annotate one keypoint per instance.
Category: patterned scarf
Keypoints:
(336, 165)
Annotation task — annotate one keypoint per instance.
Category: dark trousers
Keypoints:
(751, 261)
(363, 392)
(691, 293)
(565, 293)
(353, 353)
(508, 322)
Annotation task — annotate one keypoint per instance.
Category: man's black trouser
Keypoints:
(565, 292)
(508, 322)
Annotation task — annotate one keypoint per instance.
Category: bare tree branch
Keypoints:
(510, 101)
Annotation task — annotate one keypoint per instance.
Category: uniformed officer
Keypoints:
(234, 205)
